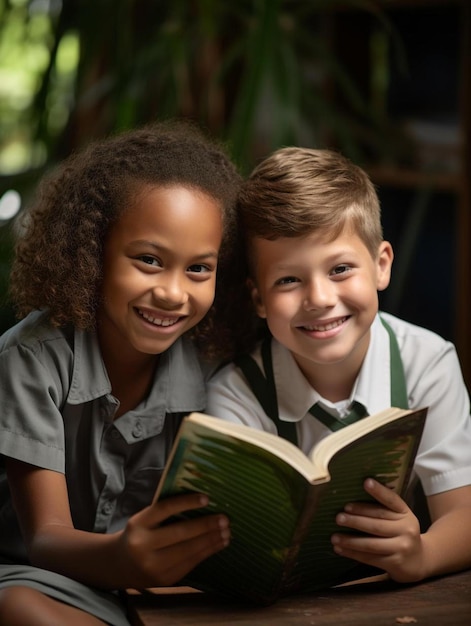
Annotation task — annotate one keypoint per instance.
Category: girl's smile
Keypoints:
(159, 319)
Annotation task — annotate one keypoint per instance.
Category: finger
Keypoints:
(385, 496)
(374, 526)
(363, 548)
(180, 532)
(368, 509)
(377, 554)
(184, 557)
(161, 511)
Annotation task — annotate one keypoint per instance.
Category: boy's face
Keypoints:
(159, 277)
(319, 298)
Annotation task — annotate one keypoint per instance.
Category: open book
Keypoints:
(282, 504)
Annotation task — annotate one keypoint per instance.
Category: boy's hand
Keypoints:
(158, 555)
(393, 542)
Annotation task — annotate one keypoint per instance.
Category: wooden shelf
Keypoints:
(405, 178)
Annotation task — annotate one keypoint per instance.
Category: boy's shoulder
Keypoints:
(406, 331)
(420, 348)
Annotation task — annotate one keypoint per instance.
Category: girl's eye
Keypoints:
(199, 269)
(149, 260)
(286, 280)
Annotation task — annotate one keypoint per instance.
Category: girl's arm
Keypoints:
(394, 542)
(144, 554)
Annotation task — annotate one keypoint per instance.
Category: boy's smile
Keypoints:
(319, 297)
(160, 264)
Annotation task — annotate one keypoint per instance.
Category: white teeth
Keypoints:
(158, 321)
(329, 326)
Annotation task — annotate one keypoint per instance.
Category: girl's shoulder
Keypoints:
(34, 333)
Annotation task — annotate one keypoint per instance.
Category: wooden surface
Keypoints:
(440, 602)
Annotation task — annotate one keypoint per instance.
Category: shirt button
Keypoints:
(107, 508)
(115, 434)
(137, 430)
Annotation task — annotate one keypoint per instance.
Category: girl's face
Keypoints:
(159, 272)
(319, 298)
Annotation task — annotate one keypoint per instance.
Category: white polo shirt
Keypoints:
(433, 379)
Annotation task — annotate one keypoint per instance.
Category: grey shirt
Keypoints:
(57, 413)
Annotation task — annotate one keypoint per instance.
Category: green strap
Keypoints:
(399, 397)
(265, 390)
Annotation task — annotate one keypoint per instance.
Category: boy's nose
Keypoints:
(319, 294)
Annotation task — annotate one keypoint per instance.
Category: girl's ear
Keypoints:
(256, 299)
(383, 265)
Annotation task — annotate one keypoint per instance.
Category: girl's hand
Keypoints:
(144, 554)
(160, 555)
(393, 541)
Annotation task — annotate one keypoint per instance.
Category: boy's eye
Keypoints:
(340, 269)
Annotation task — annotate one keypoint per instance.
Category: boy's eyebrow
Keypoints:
(159, 248)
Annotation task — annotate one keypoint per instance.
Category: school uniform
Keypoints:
(432, 377)
(57, 414)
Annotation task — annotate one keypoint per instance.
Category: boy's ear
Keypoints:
(384, 264)
(256, 299)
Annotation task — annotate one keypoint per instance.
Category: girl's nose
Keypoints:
(170, 291)
(319, 294)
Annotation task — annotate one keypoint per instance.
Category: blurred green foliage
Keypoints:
(256, 73)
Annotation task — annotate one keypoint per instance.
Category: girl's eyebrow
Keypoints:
(211, 254)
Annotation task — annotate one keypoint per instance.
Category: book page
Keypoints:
(328, 447)
(273, 444)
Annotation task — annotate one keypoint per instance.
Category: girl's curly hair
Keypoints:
(58, 258)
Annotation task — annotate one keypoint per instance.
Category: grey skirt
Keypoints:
(102, 604)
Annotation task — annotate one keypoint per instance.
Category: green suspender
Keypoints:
(399, 396)
(265, 391)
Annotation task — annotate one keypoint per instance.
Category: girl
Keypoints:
(114, 271)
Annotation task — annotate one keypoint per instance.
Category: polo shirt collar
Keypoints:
(89, 378)
(372, 387)
(178, 384)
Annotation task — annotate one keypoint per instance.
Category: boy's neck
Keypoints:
(330, 385)
(334, 381)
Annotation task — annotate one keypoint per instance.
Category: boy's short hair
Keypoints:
(296, 191)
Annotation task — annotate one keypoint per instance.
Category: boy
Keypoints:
(316, 260)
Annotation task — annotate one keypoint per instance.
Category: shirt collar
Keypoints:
(178, 384)
(372, 387)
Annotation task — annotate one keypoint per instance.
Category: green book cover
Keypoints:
(282, 504)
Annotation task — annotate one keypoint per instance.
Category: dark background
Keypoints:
(387, 82)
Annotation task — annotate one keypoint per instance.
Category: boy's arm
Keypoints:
(394, 542)
(448, 541)
(143, 554)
